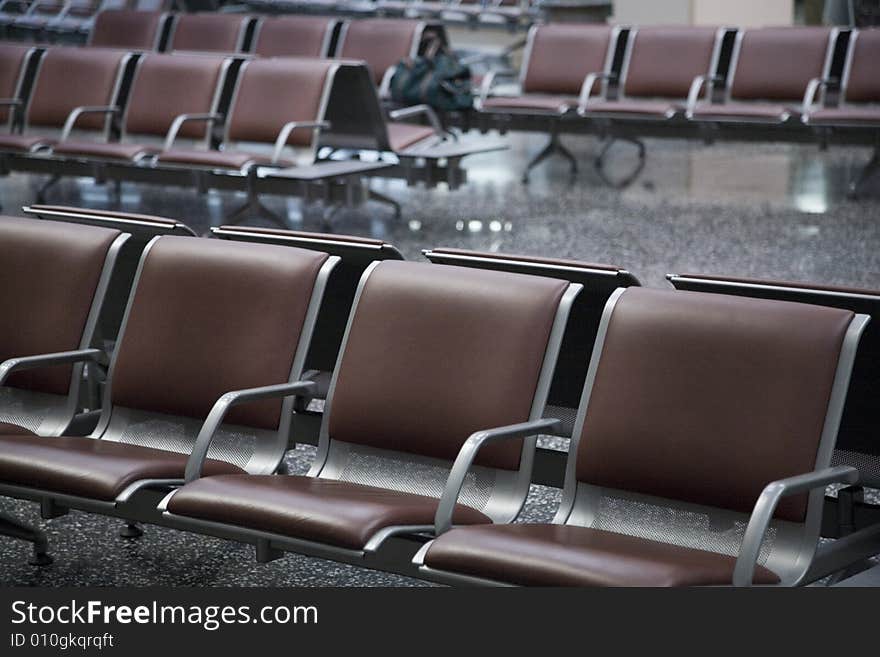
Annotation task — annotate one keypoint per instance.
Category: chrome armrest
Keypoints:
(465, 458)
(762, 513)
(489, 81)
(587, 87)
(287, 128)
(178, 122)
(697, 85)
(11, 365)
(419, 110)
(215, 418)
(813, 88)
(385, 84)
(77, 112)
(9, 102)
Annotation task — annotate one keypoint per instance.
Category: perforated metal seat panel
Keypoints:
(27, 408)
(232, 444)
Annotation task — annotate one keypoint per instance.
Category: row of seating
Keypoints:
(57, 18)
(92, 112)
(810, 83)
(702, 444)
(508, 13)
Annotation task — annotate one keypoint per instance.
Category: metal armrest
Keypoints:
(443, 517)
(489, 80)
(287, 128)
(385, 84)
(9, 102)
(813, 88)
(77, 112)
(696, 87)
(178, 122)
(762, 514)
(587, 87)
(7, 367)
(418, 110)
(215, 418)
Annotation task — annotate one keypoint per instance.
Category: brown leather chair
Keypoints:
(129, 28)
(73, 87)
(431, 356)
(209, 32)
(294, 36)
(598, 282)
(857, 443)
(770, 72)
(214, 338)
(190, 86)
(660, 65)
(141, 228)
(557, 60)
(53, 291)
(298, 89)
(701, 453)
(14, 61)
(355, 255)
(381, 43)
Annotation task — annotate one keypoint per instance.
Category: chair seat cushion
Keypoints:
(527, 103)
(404, 135)
(97, 469)
(743, 112)
(648, 108)
(23, 143)
(221, 159)
(844, 116)
(323, 510)
(564, 555)
(14, 429)
(113, 151)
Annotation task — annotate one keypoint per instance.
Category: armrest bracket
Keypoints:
(287, 129)
(178, 122)
(77, 112)
(762, 514)
(215, 418)
(465, 458)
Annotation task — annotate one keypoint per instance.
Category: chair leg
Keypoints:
(387, 200)
(131, 530)
(41, 192)
(599, 161)
(253, 206)
(554, 145)
(16, 529)
(867, 172)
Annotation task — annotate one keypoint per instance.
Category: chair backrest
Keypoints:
(128, 28)
(68, 78)
(56, 276)
(777, 63)
(694, 403)
(208, 317)
(355, 253)
(187, 84)
(209, 32)
(598, 281)
(431, 355)
(299, 89)
(294, 36)
(380, 42)
(662, 62)
(858, 440)
(559, 56)
(141, 228)
(14, 60)
(861, 84)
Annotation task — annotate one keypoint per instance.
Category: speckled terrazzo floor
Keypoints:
(762, 210)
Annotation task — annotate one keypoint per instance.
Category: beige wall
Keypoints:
(740, 13)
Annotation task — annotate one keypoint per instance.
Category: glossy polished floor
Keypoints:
(771, 210)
